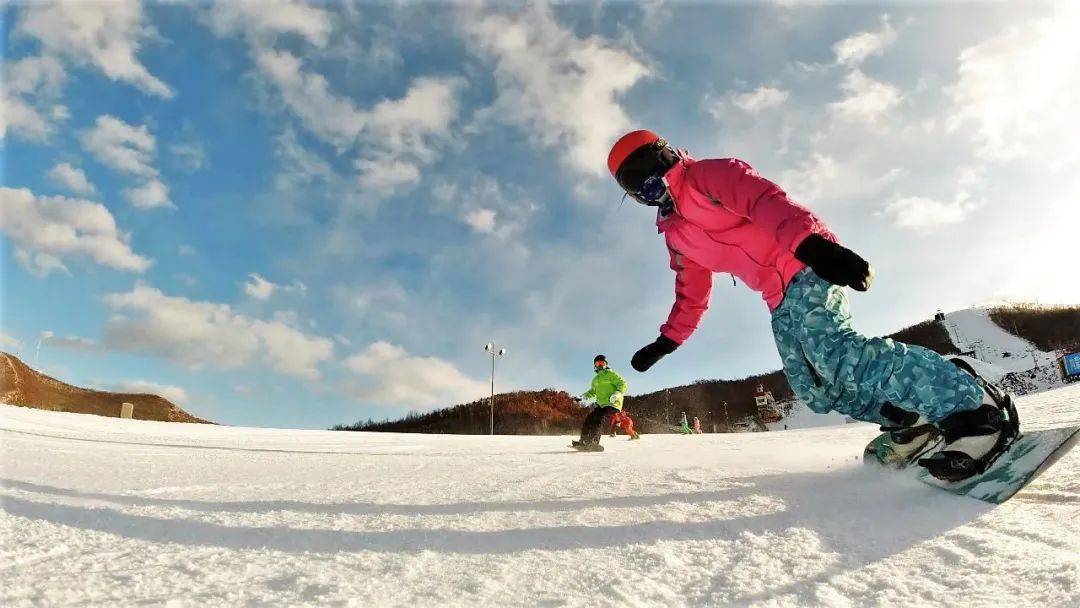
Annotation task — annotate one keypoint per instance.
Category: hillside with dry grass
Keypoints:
(20, 385)
(1050, 328)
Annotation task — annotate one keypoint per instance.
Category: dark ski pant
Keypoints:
(590, 431)
(832, 367)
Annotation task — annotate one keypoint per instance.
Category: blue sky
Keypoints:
(297, 215)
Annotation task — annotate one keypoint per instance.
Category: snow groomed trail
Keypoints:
(102, 511)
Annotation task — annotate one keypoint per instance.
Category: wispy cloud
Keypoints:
(103, 35)
(854, 49)
(130, 150)
(924, 214)
(31, 88)
(561, 88)
(71, 178)
(168, 391)
(261, 289)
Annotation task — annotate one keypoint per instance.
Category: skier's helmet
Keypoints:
(637, 157)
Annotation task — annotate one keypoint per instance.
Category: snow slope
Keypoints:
(101, 511)
(801, 417)
(972, 329)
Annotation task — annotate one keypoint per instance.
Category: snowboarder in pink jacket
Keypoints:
(720, 215)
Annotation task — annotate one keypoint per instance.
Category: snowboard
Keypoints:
(586, 447)
(1030, 455)
(1027, 457)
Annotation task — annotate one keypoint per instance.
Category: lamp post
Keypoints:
(493, 351)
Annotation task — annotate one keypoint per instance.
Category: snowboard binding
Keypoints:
(907, 437)
(995, 421)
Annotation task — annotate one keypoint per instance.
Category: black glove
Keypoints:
(651, 353)
(835, 263)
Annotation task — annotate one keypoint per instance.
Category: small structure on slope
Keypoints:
(766, 405)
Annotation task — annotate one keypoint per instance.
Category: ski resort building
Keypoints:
(766, 405)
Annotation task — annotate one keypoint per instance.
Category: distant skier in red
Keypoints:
(720, 215)
(623, 421)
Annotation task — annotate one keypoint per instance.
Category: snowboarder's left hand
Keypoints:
(651, 353)
(835, 263)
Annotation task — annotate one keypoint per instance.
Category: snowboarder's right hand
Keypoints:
(835, 263)
(651, 353)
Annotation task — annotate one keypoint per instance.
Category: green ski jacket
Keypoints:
(605, 384)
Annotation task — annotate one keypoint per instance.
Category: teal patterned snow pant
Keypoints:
(832, 367)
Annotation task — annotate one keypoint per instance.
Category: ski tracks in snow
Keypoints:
(224, 516)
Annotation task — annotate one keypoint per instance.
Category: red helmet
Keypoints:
(626, 146)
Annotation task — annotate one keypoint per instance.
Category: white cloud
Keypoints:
(481, 220)
(105, 35)
(151, 194)
(560, 88)
(404, 132)
(925, 214)
(399, 136)
(391, 376)
(853, 50)
(48, 338)
(243, 389)
(196, 334)
(27, 102)
(261, 21)
(9, 342)
(866, 100)
(45, 229)
(172, 393)
(386, 174)
(261, 289)
(482, 203)
(1020, 89)
(128, 149)
(760, 99)
(124, 147)
(307, 94)
(71, 178)
(823, 178)
(190, 156)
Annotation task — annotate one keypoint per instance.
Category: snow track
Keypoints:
(106, 511)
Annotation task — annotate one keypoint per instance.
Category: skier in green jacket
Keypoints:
(607, 391)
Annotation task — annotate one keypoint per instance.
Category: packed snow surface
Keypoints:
(101, 511)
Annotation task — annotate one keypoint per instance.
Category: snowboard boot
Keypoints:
(586, 446)
(635, 437)
(974, 438)
(905, 437)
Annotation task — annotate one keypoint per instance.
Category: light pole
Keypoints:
(493, 351)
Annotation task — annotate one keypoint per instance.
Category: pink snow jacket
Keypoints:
(728, 218)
